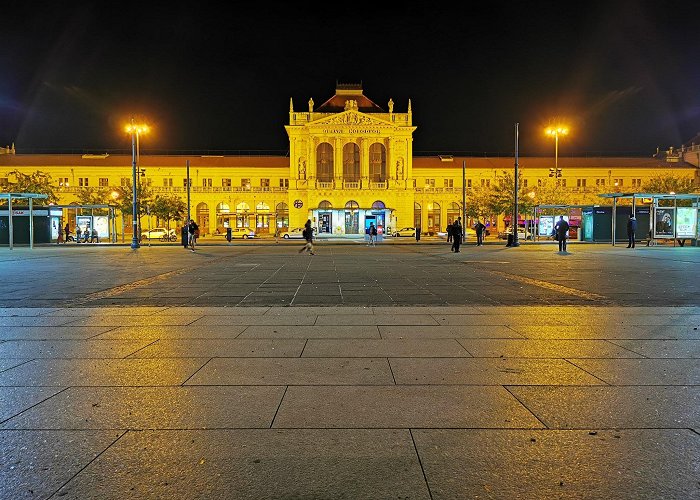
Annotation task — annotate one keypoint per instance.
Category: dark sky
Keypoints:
(624, 75)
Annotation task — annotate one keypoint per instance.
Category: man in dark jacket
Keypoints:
(562, 231)
(631, 229)
(456, 234)
(479, 227)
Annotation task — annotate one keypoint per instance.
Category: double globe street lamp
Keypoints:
(135, 130)
(556, 132)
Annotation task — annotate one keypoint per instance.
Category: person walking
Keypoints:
(308, 235)
(67, 230)
(631, 230)
(479, 228)
(192, 230)
(372, 235)
(456, 234)
(449, 232)
(562, 232)
(78, 234)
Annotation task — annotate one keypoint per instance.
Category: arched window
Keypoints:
(325, 205)
(222, 208)
(351, 162)
(377, 162)
(417, 213)
(454, 211)
(433, 217)
(352, 217)
(242, 207)
(282, 216)
(223, 217)
(202, 215)
(324, 162)
(262, 207)
(378, 205)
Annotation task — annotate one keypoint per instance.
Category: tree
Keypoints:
(169, 208)
(94, 196)
(478, 203)
(662, 184)
(124, 198)
(37, 182)
(501, 199)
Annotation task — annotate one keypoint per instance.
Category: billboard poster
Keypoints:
(686, 222)
(102, 225)
(663, 222)
(84, 222)
(546, 225)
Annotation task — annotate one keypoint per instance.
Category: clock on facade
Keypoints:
(298, 203)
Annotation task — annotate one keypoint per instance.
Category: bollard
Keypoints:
(185, 236)
(417, 234)
(228, 234)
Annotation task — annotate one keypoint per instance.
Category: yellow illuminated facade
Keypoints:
(350, 162)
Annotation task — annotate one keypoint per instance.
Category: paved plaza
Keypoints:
(402, 371)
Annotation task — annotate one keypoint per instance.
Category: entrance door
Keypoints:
(325, 223)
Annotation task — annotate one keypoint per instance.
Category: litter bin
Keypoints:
(228, 234)
(417, 234)
(184, 236)
(510, 240)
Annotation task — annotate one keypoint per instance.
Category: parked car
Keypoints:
(159, 233)
(406, 231)
(503, 235)
(293, 233)
(241, 233)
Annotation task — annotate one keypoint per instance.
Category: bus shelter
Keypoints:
(10, 226)
(665, 222)
(545, 216)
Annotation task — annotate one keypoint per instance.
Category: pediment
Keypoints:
(350, 118)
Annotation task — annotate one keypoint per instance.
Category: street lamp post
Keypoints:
(135, 131)
(556, 132)
(514, 224)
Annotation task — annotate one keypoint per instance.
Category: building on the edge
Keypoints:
(350, 162)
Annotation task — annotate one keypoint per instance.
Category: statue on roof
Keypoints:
(391, 105)
(311, 105)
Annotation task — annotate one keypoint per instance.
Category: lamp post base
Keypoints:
(135, 244)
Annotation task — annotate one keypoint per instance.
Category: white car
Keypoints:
(293, 233)
(406, 231)
(242, 233)
(158, 233)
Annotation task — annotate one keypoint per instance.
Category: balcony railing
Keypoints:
(351, 185)
(324, 185)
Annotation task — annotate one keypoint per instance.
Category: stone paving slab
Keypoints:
(299, 463)
(293, 371)
(52, 333)
(549, 348)
(384, 348)
(643, 371)
(311, 332)
(70, 348)
(234, 348)
(36, 464)
(14, 400)
(448, 332)
(489, 371)
(172, 332)
(100, 372)
(139, 408)
(542, 464)
(663, 348)
(561, 407)
(402, 407)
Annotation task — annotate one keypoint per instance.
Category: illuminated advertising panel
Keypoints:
(546, 225)
(102, 225)
(663, 222)
(686, 222)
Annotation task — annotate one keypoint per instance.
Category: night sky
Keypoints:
(623, 75)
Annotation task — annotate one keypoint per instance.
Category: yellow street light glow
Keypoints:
(137, 128)
(531, 194)
(556, 131)
(115, 195)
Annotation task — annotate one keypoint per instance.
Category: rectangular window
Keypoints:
(581, 183)
(184, 182)
(4, 182)
(539, 182)
(600, 182)
(123, 182)
(618, 182)
(226, 182)
(448, 183)
(168, 182)
(485, 182)
(103, 182)
(430, 183)
(561, 182)
(469, 183)
(206, 183)
(265, 183)
(524, 182)
(245, 184)
(637, 183)
(83, 181)
(284, 183)
(63, 182)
